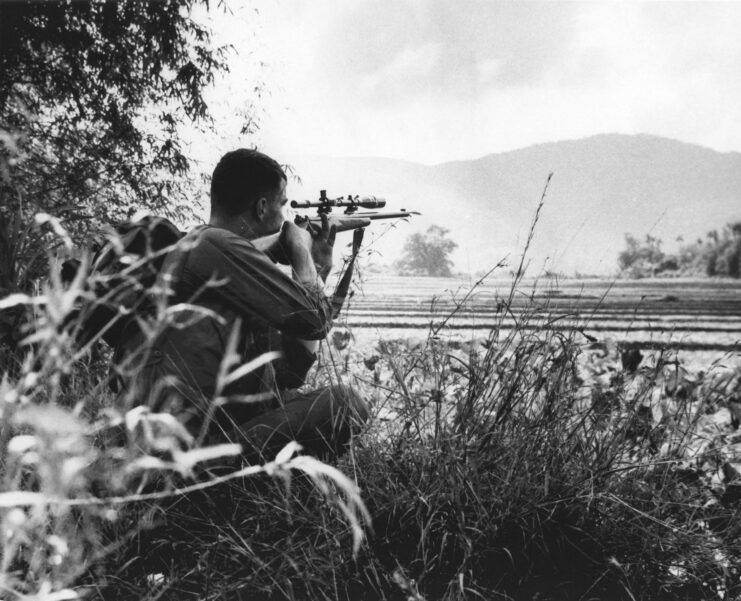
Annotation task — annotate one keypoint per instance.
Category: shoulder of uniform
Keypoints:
(219, 237)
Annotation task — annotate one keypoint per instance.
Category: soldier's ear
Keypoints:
(261, 207)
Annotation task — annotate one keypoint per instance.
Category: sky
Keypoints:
(431, 81)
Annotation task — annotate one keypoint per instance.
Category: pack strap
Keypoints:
(340, 293)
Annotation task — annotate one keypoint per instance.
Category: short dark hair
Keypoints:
(241, 177)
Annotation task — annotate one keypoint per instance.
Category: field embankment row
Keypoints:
(677, 314)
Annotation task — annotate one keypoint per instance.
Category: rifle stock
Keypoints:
(272, 245)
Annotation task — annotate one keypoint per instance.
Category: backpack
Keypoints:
(122, 274)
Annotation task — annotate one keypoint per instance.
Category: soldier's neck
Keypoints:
(236, 224)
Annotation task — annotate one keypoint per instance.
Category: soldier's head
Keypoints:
(250, 186)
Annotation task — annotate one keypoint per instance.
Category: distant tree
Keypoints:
(728, 252)
(427, 254)
(718, 254)
(92, 94)
(641, 258)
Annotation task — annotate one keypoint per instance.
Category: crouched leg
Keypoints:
(322, 421)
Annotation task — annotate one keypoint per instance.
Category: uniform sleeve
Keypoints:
(252, 285)
(291, 369)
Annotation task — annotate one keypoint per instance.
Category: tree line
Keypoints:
(717, 254)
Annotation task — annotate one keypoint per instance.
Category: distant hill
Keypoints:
(603, 187)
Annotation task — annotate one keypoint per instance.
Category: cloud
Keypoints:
(412, 65)
(446, 49)
(434, 80)
(668, 68)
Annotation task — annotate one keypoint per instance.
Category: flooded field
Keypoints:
(690, 315)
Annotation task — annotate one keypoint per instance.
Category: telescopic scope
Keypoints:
(352, 203)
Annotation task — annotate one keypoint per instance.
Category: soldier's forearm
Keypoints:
(305, 272)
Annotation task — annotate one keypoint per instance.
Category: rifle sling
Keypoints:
(338, 298)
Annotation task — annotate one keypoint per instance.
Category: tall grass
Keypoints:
(531, 465)
(525, 481)
(85, 482)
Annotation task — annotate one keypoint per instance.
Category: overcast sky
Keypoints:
(432, 80)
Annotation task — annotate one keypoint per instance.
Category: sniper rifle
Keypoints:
(350, 219)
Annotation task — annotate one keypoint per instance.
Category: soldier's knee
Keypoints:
(351, 401)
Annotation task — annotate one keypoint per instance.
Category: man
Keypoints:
(231, 304)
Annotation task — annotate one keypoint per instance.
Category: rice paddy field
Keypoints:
(698, 318)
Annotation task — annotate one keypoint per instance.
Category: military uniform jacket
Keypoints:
(223, 292)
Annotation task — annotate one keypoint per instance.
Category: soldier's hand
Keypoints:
(297, 242)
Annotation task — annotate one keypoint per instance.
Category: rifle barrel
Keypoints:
(397, 215)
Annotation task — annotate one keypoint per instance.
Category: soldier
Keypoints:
(232, 291)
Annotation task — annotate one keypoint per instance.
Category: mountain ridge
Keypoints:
(603, 187)
(528, 147)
